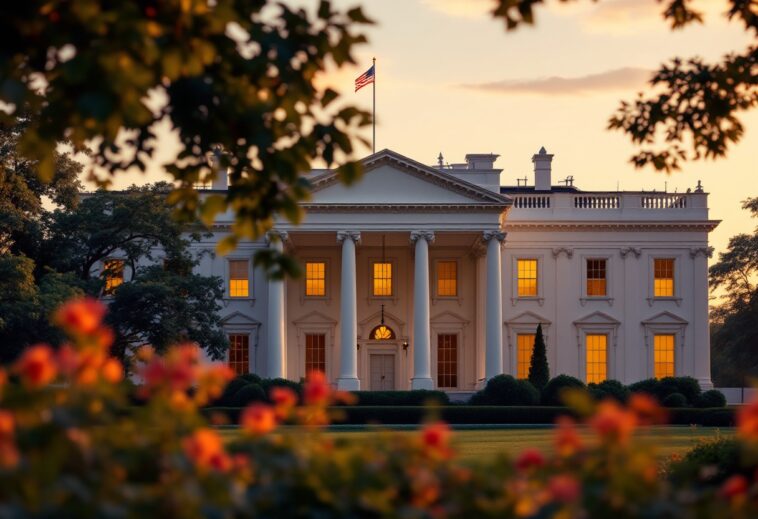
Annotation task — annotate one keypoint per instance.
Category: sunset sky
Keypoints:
(451, 80)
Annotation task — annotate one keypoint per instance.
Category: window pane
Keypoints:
(382, 279)
(114, 275)
(239, 353)
(447, 278)
(447, 360)
(315, 279)
(315, 352)
(597, 358)
(663, 282)
(596, 277)
(239, 285)
(527, 277)
(664, 355)
(524, 347)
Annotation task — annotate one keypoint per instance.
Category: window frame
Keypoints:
(435, 292)
(250, 354)
(585, 297)
(458, 346)
(533, 335)
(665, 323)
(321, 333)
(395, 278)
(678, 265)
(327, 278)
(673, 353)
(599, 323)
(525, 255)
(250, 279)
(587, 336)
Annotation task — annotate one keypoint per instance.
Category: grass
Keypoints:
(483, 444)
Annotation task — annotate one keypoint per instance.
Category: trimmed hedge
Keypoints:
(609, 389)
(507, 391)
(661, 389)
(418, 397)
(675, 400)
(551, 395)
(711, 398)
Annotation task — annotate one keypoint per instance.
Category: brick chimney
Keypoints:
(542, 170)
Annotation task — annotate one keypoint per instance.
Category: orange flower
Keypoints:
(211, 382)
(113, 371)
(435, 438)
(80, 316)
(529, 459)
(37, 366)
(566, 439)
(747, 421)
(734, 488)
(284, 400)
(612, 422)
(564, 488)
(9, 455)
(258, 419)
(206, 450)
(647, 409)
(316, 390)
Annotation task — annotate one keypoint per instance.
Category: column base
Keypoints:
(422, 383)
(348, 384)
(705, 383)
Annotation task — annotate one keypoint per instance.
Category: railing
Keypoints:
(664, 201)
(531, 201)
(596, 202)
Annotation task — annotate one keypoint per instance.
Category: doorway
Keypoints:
(382, 371)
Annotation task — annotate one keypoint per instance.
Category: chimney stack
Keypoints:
(542, 170)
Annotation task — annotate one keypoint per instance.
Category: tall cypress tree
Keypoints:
(539, 372)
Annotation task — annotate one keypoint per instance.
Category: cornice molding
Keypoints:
(403, 208)
(706, 226)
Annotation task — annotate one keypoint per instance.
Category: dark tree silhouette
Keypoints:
(539, 371)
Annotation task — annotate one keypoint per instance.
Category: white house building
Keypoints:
(437, 276)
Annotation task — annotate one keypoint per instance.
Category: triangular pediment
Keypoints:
(391, 320)
(528, 318)
(597, 318)
(239, 319)
(315, 318)
(392, 179)
(448, 318)
(665, 318)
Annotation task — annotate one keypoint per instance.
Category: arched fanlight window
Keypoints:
(382, 333)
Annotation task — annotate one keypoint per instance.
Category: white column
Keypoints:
(701, 336)
(422, 375)
(494, 329)
(276, 319)
(348, 379)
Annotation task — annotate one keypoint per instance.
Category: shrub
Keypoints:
(251, 378)
(649, 385)
(664, 387)
(402, 398)
(711, 462)
(249, 394)
(675, 400)
(551, 395)
(539, 371)
(506, 390)
(710, 398)
(268, 383)
(609, 389)
(227, 397)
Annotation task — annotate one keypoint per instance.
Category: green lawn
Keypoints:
(474, 445)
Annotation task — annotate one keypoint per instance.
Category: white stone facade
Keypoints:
(421, 219)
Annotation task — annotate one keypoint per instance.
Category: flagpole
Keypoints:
(373, 112)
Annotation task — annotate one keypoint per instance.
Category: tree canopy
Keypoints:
(697, 112)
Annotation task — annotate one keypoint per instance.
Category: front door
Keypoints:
(382, 369)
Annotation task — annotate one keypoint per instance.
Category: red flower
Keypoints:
(283, 397)
(37, 366)
(530, 458)
(566, 439)
(747, 421)
(612, 422)
(647, 409)
(258, 419)
(206, 449)
(80, 316)
(564, 488)
(436, 439)
(9, 455)
(734, 487)
(316, 390)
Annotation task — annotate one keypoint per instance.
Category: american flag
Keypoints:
(365, 79)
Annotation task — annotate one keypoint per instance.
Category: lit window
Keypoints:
(596, 280)
(315, 352)
(597, 358)
(663, 284)
(663, 346)
(382, 333)
(447, 278)
(239, 284)
(239, 353)
(382, 279)
(315, 279)
(114, 275)
(447, 360)
(524, 347)
(527, 277)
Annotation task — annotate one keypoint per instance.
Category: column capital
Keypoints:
(276, 235)
(706, 252)
(351, 235)
(426, 235)
(498, 235)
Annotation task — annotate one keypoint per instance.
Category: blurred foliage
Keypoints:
(236, 80)
(691, 104)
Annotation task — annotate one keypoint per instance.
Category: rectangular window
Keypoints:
(382, 279)
(527, 277)
(315, 352)
(597, 358)
(663, 283)
(596, 278)
(447, 278)
(663, 346)
(315, 279)
(239, 283)
(239, 353)
(114, 275)
(447, 360)
(524, 347)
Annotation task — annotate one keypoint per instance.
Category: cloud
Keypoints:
(626, 78)
(461, 8)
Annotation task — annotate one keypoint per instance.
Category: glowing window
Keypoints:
(663, 346)
(527, 277)
(447, 360)
(382, 279)
(315, 279)
(597, 358)
(239, 353)
(447, 278)
(239, 284)
(524, 347)
(382, 333)
(315, 352)
(596, 277)
(114, 275)
(663, 283)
